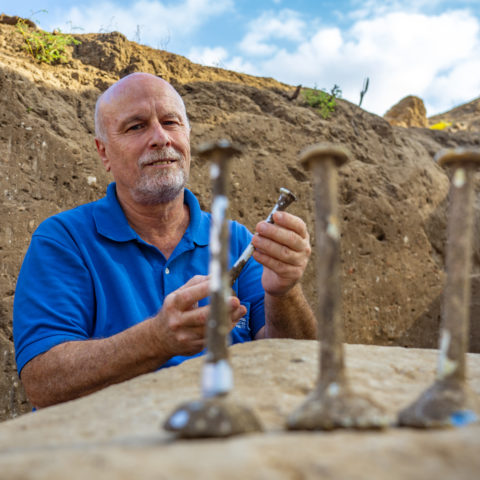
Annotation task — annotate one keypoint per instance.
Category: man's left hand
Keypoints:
(283, 248)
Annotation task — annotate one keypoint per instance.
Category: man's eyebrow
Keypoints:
(140, 118)
(132, 118)
(173, 114)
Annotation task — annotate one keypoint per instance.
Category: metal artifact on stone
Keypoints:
(216, 415)
(449, 402)
(332, 404)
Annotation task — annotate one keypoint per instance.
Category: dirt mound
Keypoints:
(408, 112)
(392, 195)
(463, 118)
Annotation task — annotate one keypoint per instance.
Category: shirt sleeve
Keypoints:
(54, 297)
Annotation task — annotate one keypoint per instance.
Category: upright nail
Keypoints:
(332, 404)
(218, 378)
(449, 401)
(215, 415)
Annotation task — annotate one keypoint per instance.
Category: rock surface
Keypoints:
(116, 434)
(408, 112)
(462, 118)
(393, 196)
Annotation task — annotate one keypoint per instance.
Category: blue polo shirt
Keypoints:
(87, 274)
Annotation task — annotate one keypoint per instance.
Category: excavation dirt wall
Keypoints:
(393, 196)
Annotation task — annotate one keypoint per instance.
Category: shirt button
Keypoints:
(167, 270)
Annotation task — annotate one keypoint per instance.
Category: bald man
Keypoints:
(118, 287)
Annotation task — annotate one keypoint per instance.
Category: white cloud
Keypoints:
(150, 20)
(328, 41)
(218, 57)
(238, 64)
(362, 9)
(270, 26)
(402, 54)
(212, 57)
(449, 89)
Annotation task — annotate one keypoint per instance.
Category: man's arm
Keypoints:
(77, 368)
(74, 369)
(288, 316)
(283, 248)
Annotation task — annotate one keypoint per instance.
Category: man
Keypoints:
(118, 287)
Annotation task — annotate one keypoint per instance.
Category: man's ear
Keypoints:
(101, 149)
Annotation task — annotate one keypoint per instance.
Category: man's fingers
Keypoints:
(196, 280)
(186, 321)
(284, 236)
(196, 318)
(237, 310)
(279, 251)
(185, 297)
(291, 222)
(278, 234)
(281, 268)
(191, 342)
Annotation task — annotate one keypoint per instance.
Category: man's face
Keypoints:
(146, 141)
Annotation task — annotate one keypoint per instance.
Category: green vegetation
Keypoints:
(44, 46)
(323, 101)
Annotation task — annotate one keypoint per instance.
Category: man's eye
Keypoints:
(137, 126)
(170, 122)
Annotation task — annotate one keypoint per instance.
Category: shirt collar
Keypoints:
(112, 223)
(199, 228)
(110, 220)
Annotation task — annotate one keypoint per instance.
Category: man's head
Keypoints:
(143, 138)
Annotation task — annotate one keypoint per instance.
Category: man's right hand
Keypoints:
(179, 328)
(72, 369)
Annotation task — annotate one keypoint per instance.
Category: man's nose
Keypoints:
(159, 136)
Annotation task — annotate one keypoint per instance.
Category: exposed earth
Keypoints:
(393, 196)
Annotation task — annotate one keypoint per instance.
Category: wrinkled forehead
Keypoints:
(140, 91)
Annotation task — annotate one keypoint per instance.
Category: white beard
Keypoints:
(162, 185)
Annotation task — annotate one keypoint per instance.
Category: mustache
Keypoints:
(166, 153)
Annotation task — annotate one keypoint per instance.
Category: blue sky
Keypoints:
(428, 48)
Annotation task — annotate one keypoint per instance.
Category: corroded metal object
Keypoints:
(211, 418)
(449, 401)
(332, 404)
(284, 200)
(215, 415)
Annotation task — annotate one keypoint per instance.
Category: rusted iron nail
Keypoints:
(217, 373)
(456, 301)
(332, 404)
(449, 401)
(284, 200)
(215, 415)
(323, 160)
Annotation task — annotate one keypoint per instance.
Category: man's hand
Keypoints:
(72, 369)
(283, 248)
(179, 327)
